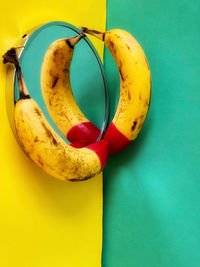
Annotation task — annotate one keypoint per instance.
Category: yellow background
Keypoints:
(44, 221)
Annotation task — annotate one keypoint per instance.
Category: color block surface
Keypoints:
(151, 189)
(43, 221)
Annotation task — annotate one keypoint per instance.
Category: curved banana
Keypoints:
(58, 96)
(44, 146)
(135, 87)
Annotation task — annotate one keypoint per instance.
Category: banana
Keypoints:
(58, 96)
(135, 87)
(44, 146)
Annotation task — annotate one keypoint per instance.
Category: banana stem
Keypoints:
(99, 35)
(23, 91)
(11, 56)
(74, 40)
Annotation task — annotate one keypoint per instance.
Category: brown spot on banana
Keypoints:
(72, 180)
(40, 160)
(100, 35)
(112, 44)
(49, 134)
(37, 112)
(55, 53)
(121, 75)
(146, 62)
(142, 116)
(134, 125)
(86, 178)
(36, 139)
(55, 81)
(69, 44)
(65, 70)
(129, 95)
(120, 71)
(77, 180)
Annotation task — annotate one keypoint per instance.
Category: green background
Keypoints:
(152, 189)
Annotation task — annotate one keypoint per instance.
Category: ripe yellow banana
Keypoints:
(44, 146)
(58, 96)
(135, 87)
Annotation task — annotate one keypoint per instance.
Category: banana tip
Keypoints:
(99, 35)
(84, 29)
(11, 56)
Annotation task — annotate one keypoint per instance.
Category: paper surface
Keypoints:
(151, 189)
(44, 221)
